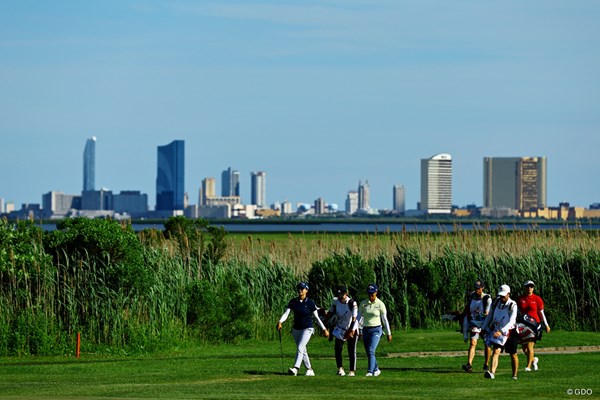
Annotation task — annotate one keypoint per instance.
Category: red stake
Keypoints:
(78, 344)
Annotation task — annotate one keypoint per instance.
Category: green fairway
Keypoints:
(255, 370)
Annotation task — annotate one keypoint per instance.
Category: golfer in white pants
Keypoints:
(304, 310)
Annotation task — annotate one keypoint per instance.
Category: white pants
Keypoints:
(301, 337)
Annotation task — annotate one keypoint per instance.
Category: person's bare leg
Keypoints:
(514, 361)
(494, 365)
(528, 349)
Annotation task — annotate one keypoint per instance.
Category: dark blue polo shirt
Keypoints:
(303, 312)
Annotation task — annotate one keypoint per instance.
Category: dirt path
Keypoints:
(546, 350)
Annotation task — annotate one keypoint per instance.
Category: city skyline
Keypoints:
(170, 166)
(319, 95)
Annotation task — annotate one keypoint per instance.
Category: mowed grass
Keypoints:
(256, 370)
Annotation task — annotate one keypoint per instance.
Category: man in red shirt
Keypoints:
(532, 305)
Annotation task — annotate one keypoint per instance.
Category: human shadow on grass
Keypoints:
(428, 370)
(128, 359)
(257, 372)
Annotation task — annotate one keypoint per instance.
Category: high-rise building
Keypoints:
(436, 184)
(320, 206)
(230, 183)
(170, 177)
(364, 195)
(399, 201)
(517, 183)
(258, 189)
(286, 207)
(352, 202)
(207, 190)
(89, 164)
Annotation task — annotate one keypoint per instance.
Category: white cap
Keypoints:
(504, 290)
(529, 283)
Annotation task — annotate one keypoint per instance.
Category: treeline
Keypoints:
(131, 292)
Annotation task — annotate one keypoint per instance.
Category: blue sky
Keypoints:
(319, 94)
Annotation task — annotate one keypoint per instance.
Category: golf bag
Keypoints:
(528, 329)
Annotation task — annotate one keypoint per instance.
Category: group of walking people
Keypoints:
(494, 320)
(350, 320)
(497, 321)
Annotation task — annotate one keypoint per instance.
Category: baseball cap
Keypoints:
(340, 291)
(504, 290)
(529, 283)
(372, 288)
(479, 284)
(302, 285)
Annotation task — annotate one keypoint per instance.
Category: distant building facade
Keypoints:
(319, 206)
(364, 196)
(89, 164)
(97, 200)
(207, 190)
(59, 204)
(399, 199)
(131, 202)
(230, 183)
(436, 184)
(258, 188)
(286, 208)
(351, 202)
(517, 183)
(170, 178)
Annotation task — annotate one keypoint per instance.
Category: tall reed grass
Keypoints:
(45, 300)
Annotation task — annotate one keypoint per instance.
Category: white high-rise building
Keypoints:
(258, 188)
(352, 202)
(436, 184)
(286, 208)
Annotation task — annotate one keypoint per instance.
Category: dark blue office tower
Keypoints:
(170, 176)
(89, 164)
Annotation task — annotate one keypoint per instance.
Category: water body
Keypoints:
(375, 227)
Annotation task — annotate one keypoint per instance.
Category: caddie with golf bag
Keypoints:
(500, 330)
(476, 310)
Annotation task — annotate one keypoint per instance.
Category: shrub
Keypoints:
(347, 269)
(105, 243)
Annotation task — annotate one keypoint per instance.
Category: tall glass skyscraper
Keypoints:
(259, 189)
(89, 164)
(230, 183)
(170, 176)
(436, 184)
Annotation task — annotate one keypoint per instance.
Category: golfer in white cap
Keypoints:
(501, 335)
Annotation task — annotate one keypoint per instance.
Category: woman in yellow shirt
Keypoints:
(372, 314)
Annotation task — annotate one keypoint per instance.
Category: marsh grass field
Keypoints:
(254, 370)
(189, 312)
